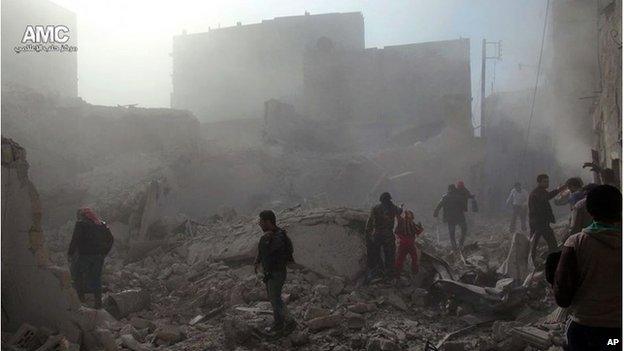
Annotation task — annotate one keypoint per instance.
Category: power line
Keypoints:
(537, 75)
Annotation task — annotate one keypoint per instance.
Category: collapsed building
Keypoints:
(330, 125)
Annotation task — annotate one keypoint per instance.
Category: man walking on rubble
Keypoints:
(518, 200)
(275, 251)
(588, 276)
(380, 236)
(452, 206)
(90, 244)
(541, 215)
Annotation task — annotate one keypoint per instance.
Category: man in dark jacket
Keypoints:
(275, 251)
(90, 243)
(588, 279)
(541, 215)
(380, 235)
(452, 205)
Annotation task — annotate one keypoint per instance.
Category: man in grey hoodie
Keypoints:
(588, 276)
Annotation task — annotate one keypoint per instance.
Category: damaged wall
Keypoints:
(607, 116)
(385, 92)
(228, 73)
(33, 291)
(80, 153)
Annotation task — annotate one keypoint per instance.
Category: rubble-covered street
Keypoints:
(252, 175)
(196, 290)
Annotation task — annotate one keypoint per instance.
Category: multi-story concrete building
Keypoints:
(228, 73)
(50, 72)
(424, 86)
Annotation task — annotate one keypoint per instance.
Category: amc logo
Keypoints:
(39, 34)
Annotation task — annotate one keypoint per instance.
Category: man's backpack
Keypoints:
(289, 248)
(104, 242)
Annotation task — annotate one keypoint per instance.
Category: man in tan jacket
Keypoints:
(588, 276)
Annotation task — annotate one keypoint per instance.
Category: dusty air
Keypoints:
(311, 175)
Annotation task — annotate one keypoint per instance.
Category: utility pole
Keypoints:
(484, 57)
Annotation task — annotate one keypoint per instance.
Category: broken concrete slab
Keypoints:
(516, 265)
(482, 298)
(533, 336)
(125, 302)
(325, 322)
(327, 241)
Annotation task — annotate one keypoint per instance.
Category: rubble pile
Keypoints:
(192, 286)
(199, 292)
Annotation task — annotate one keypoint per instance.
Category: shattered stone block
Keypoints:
(326, 322)
(25, 337)
(239, 333)
(169, 335)
(299, 338)
(315, 312)
(125, 302)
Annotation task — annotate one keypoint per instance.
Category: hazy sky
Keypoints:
(124, 45)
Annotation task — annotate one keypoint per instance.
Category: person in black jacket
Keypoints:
(453, 206)
(275, 251)
(541, 215)
(90, 243)
(380, 237)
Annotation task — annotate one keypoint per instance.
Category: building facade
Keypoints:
(228, 73)
(412, 91)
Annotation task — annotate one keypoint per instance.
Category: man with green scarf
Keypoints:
(588, 276)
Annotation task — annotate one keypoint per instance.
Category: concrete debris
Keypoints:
(533, 336)
(516, 265)
(324, 322)
(125, 302)
(196, 286)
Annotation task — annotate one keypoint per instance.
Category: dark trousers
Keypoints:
(583, 338)
(274, 283)
(521, 213)
(542, 231)
(87, 276)
(464, 230)
(378, 244)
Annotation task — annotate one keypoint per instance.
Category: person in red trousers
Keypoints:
(406, 232)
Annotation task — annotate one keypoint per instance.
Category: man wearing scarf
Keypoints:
(90, 243)
(588, 276)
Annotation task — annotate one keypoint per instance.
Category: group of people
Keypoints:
(537, 205)
(382, 255)
(389, 225)
(586, 278)
(585, 272)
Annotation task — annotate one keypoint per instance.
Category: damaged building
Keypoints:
(396, 95)
(228, 73)
(296, 115)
